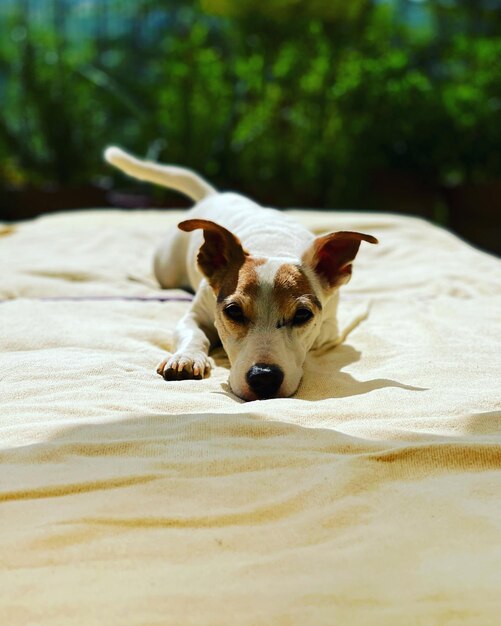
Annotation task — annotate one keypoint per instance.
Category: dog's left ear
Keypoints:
(331, 256)
(220, 251)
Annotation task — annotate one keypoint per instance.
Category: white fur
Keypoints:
(265, 233)
(178, 178)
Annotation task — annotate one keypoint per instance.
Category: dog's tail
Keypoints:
(178, 178)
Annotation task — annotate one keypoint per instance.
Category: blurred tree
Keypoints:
(302, 103)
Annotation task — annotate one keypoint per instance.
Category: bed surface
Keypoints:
(372, 497)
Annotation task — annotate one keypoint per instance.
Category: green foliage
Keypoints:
(334, 11)
(298, 103)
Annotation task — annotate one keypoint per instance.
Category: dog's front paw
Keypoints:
(185, 366)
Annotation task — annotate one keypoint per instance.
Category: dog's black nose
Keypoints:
(265, 380)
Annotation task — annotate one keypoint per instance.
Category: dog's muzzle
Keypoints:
(264, 380)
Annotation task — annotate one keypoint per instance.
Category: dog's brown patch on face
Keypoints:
(240, 286)
(240, 281)
(291, 285)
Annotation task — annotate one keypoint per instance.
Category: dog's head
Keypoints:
(270, 310)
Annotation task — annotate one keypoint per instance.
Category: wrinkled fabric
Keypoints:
(371, 497)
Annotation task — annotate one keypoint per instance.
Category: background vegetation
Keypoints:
(388, 105)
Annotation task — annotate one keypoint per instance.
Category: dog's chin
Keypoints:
(245, 393)
(250, 396)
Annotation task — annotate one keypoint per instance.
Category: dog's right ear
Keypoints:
(220, 251)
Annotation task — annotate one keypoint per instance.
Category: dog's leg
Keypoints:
(194, 335)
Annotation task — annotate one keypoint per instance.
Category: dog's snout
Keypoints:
(265, 380)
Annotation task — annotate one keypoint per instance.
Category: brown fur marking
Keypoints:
(290, 284)
(331, 256)
(240, 285)
(220, 253)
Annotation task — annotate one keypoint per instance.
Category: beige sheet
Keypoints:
(372, 497)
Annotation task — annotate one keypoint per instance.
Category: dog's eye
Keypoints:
(235, 313)
(302, 316)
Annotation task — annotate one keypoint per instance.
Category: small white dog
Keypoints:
(264, 286)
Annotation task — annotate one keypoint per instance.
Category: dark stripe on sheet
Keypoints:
(186, 298)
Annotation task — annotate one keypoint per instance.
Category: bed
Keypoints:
(371, 497)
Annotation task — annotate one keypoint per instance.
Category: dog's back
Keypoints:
(263, 232)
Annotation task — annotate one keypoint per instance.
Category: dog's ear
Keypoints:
(220, 251)
(331, 256)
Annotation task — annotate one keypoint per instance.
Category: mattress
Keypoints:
(373, 496)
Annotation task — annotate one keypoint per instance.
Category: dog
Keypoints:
(264, 286)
